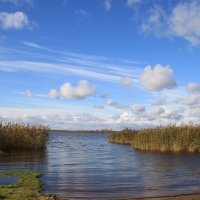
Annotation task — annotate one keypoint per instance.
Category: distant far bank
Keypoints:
(101, 131)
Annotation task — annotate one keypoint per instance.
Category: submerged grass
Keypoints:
(20, 137)
(184, 138)
(28, 188)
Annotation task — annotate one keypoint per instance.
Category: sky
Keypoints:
(96, 64)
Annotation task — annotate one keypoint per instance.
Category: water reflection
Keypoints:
(86, 166)
(23, 160)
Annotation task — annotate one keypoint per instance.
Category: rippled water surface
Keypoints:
(87, 166)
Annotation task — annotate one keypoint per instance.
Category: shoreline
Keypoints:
(195, 196)
(174, 197)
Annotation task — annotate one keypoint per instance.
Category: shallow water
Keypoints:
(7, 180)
(87, 166)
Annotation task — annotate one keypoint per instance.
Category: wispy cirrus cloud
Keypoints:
(60, 62)
(107, 4)
(19, 2)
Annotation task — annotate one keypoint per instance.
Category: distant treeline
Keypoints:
(184, 138)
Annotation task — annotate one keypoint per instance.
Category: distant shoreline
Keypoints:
(86, 131)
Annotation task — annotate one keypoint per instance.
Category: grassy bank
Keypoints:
(184, 138)
(28, 187)
(19, 137)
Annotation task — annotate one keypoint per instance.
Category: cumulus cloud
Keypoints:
(191, 100)
(157, 78)
(111, 102)
(126, 116)
(158, 102)
(122, 106)
(171, 114)
(17, 20)
(138, 108)
(83, 90)
(183, 21)
(159, 111)
(193, 87)
(115, 104)
(126, 81)
(53, 94)
(108, 4)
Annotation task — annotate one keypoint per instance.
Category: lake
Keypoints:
(87, 166)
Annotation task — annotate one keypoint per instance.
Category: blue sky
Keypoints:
(75, 64)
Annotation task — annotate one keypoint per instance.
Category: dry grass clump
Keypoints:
(19, 137)
(184, 138)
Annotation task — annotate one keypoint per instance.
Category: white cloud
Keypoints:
(155, 22)
(115, 104)
(157, 78)
(28, 93)
(158, 102)
(132, 3)
(53, 94)
(97, 106)
(159, 111)
(191, 100)
(122, 106)
(111, 102)
(82, 12)
(171, 114)
(83, 90)
(107, 4)
(17, 20)
(126, 116)
(18, 2)
(193, 87)
(126, 81)
(183, 21)
(138, 108)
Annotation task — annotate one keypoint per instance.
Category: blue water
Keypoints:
(87, 166)
(7, 180)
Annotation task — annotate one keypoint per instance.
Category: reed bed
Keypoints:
(20, 137)
(184, 138)
(125, 136)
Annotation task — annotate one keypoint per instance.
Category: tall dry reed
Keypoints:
(19, 137)
(184, 138)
